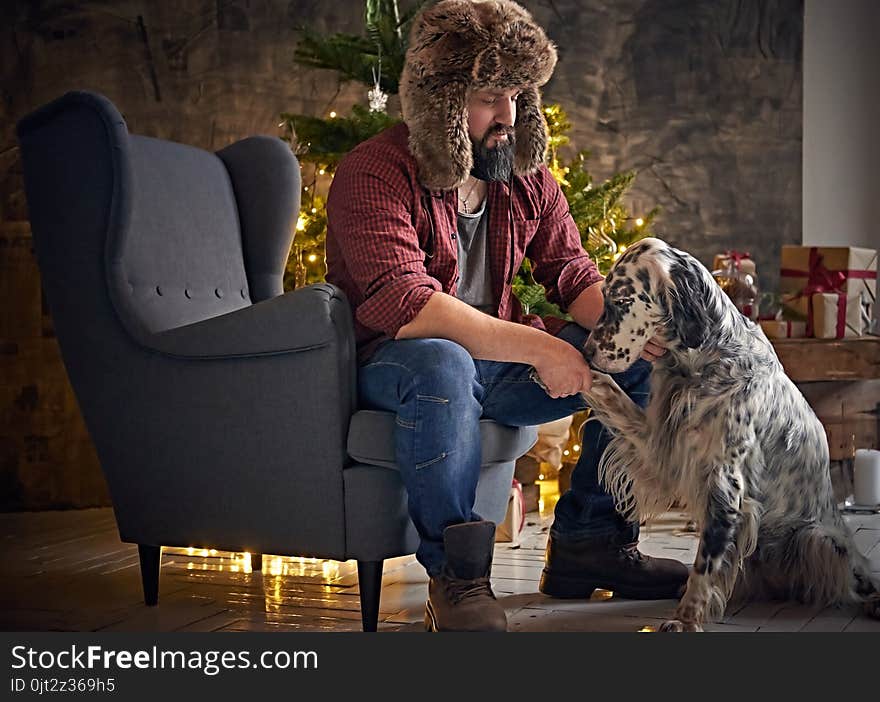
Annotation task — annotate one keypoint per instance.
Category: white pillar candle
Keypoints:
(866, 477)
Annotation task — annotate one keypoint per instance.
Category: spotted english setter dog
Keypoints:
(727, 431)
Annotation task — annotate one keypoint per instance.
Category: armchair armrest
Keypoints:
(302, 320)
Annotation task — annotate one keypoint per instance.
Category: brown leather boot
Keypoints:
(461, 598)
(576, 569)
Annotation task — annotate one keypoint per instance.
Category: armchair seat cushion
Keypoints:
(371, 439)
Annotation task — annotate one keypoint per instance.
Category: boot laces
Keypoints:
(631, 552)
(458, 590)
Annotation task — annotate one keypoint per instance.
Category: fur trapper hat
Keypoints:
(455, 47)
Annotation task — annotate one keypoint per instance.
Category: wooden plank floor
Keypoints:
(68, 571)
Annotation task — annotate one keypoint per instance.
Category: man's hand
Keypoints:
(562, 369)
(654, 349)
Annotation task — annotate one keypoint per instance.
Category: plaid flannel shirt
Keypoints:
(391, 243)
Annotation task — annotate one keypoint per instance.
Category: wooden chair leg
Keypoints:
(370, 586)
(151, 560)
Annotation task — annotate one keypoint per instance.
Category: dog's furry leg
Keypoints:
(614, 408)
(719, 557)
(628, 450)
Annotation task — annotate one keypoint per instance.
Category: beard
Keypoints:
(495, 163)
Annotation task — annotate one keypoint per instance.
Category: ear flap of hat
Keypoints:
(437, 117)
(531, 132)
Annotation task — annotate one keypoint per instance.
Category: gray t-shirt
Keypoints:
(475, 283)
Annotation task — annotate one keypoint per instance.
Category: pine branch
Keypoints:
(326, 141)
(356, 58)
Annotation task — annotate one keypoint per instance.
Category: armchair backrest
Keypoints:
(184, 232)
(268, 434)
(180, 259)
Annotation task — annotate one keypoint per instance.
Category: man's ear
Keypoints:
(688, 300)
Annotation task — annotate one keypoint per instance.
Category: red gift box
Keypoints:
(846, 272)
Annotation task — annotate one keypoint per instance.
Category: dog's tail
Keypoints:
(827, 568)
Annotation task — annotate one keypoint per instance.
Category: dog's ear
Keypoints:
(689, 298)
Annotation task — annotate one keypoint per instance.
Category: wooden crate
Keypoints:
(840, 378)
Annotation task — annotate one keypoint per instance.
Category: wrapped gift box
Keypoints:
(829, 315)
(783, 329)
(510, 530)
(731, 258)
(850, 270)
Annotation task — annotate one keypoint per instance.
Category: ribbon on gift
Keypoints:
(778, 328)
(818, 271)
(820, 301)
(822, 280)
(736, 257)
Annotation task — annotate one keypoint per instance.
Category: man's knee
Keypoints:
(441, 365)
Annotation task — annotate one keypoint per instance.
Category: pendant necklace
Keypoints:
(465, 201)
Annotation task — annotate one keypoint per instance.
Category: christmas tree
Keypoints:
(376, 61)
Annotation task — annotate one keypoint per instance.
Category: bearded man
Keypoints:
(428, 222)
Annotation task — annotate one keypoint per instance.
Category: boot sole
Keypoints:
(567, 587)
(431, 620)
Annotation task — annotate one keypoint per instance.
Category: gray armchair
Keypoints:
(223, 411)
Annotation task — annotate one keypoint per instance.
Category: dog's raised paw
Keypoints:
(603, 387)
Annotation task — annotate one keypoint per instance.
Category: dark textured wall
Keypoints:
(704, 98)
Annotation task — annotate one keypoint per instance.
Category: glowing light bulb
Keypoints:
(313, 258)
(576, 447)
(321, 172)
(314, 210)
(639, 222)
(300, 224)
(332, 115)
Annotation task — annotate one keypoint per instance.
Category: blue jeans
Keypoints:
(439, 393)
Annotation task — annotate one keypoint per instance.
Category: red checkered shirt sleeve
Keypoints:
(370, 211)
(559, 261)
